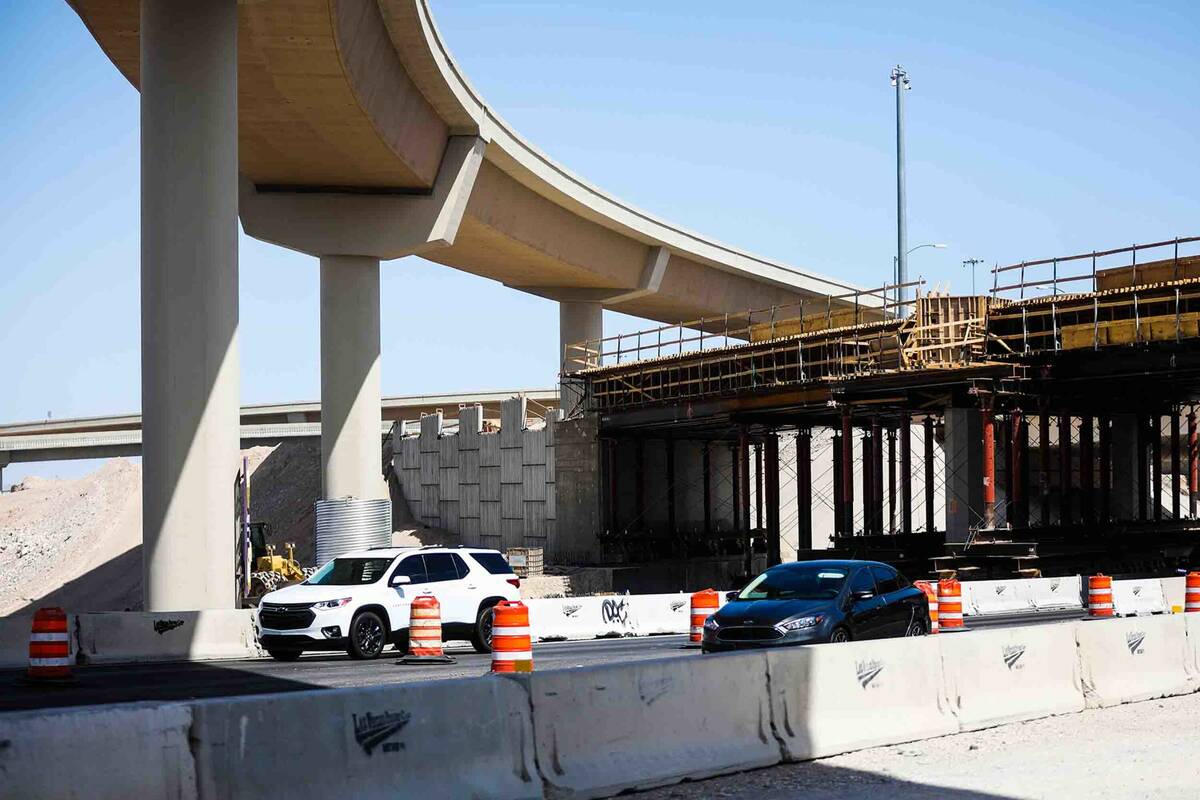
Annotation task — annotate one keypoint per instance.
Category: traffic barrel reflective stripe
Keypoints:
(49, 646)
(949, 597)
(931, 596)
(512, 648)
(425, 627)
(704, 604)
(1100, 600)
(1191, 597)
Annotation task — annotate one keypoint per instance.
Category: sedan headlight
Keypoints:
(710, 624)
(800, 623)
(333, 603)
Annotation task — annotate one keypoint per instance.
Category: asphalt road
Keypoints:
(162, 682)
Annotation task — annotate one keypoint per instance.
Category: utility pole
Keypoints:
(902, 84)
(972, 262)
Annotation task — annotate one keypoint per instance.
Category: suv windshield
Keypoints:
(350, 572)
(796, 583)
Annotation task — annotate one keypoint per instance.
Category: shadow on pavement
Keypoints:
(813, 780)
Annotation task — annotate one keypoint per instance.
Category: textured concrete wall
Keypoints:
(493, 489)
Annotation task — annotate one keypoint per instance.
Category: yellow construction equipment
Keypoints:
(287, 568)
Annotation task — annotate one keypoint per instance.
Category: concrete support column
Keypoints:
(1127, 479)
(350, 393)
(189, 152)
(577, 323)
(964, 472)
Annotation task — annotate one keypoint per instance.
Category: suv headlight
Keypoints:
(332, 603)
(710, 624)
(800, 623)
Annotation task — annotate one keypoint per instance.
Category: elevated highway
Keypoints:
(343, 129)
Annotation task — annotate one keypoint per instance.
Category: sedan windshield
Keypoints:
(796, 583)
(350, 572)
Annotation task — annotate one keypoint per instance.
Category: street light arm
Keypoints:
(938, 245)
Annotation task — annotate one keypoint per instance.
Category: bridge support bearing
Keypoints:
(189, 160)
(350, 391)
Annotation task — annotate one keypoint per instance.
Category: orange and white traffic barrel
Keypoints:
(931, 596)
(1191, 597)
(1100, 598)
(949, 599)
(425, 632)
(512, 648)
(704, 604)
(49, 647)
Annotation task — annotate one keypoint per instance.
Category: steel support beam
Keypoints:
(906, 474)
(804, 532)
(876, 476)
(770, 452)
(930, 493)
(868, 479)
(1018, 515)
(669, 444)
(989, 465)
(1175, 466)
(847, 469)
(1193, 461)
(1044, 466)
(1065, 515)
(744, 499)
(1106, 511)
(706, 469)
(1156, 465)
(1143, 485)
(1087, 470)
(891, 441)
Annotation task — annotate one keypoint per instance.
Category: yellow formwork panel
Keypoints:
(1128, 331)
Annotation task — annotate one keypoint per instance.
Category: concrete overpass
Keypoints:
(343, 129)
(121, 435)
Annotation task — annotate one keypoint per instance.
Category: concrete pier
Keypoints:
(350, 391)
(189, 301)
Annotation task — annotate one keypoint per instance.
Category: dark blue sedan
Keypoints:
(810, 602)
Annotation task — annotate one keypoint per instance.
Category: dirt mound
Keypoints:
(78, 543)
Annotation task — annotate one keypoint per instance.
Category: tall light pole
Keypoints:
(896, 261)
(902, 84)
(972, 262)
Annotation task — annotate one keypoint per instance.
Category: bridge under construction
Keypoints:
(1053, 420)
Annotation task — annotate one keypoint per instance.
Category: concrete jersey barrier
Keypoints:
(1010, 674)
(132, 636)
(1053, 594)
(1127, 660)
(995, 597)
(831, 699)
(438, 739)
(604, 730)
(552, 619)
(98, 753)
(1142, 596)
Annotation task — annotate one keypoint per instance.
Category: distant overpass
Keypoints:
(121, 435)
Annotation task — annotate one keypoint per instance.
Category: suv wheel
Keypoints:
(481, 635)
(367, 636)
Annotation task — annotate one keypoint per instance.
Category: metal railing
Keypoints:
(1083, 272)
(736, 328)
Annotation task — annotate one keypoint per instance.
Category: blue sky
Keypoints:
(1034, 129)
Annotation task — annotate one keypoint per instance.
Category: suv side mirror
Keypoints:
(400, 580)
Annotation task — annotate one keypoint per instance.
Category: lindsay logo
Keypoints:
(1012, 654)
(1134, 641)
(678, 604)
(161, 626)
(1054, 584)
(1001, 588)
(570, 611)
(867, 671)
(1137, 590)
(372, 730)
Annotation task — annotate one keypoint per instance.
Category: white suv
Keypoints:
(360, 601)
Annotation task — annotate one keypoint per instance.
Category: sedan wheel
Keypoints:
(915, 628)
(839, 636)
